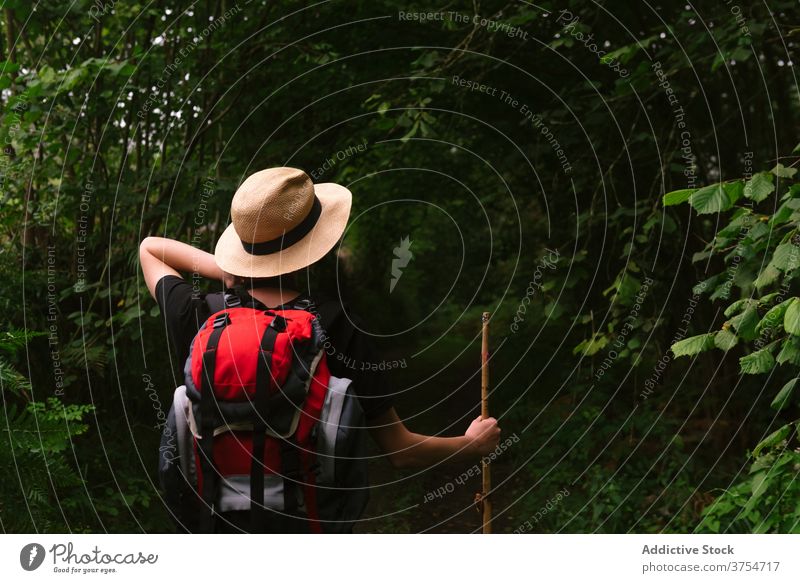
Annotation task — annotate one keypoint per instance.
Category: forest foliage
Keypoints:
(616, 184)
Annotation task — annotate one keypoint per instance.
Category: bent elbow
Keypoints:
(143, 247)
(146, 243)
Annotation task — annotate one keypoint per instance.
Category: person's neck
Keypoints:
(273, 296)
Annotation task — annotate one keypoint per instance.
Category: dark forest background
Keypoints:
(525, 154)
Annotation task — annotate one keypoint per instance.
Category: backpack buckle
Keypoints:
(222, 320)
(279, 323)
(303, 304)
(232, 300)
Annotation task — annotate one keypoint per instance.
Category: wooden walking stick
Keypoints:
(482, 499)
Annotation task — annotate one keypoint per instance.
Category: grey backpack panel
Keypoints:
(343, 486)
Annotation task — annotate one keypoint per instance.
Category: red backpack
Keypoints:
(262, 425)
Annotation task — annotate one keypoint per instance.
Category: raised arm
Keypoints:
(159, 257)
(407, 449)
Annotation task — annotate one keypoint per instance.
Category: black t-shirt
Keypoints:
(351, 353)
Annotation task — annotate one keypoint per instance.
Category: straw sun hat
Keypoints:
(281, 222)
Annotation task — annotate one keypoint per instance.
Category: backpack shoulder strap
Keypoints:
(215, 302)
(219, 301)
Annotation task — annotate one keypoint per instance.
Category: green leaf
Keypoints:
(791, 319)
(13, 382)
(678, 196)
(725, 340)
(786, 256)
(9, 67)
(738, 306)
(723, 291)
(14, 339)
(47, 74)
(710, 199)
(767, 299)
(745, 323)
(592, 345)
(773, 317)
(767, 276)
(781, 400)
(384, 124)
(783, 172)
(759, 187)
(741, 221)
(707, 285)
(757, 362)
(73, 77)
(32, 116)
(758, 231)
(734, 190)
(624, 287)
(411, 133)
(773, 439)
(622, 54)
(790, 351)
(784, 213)
(694, 345)
(554, 310)
(758, 486)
